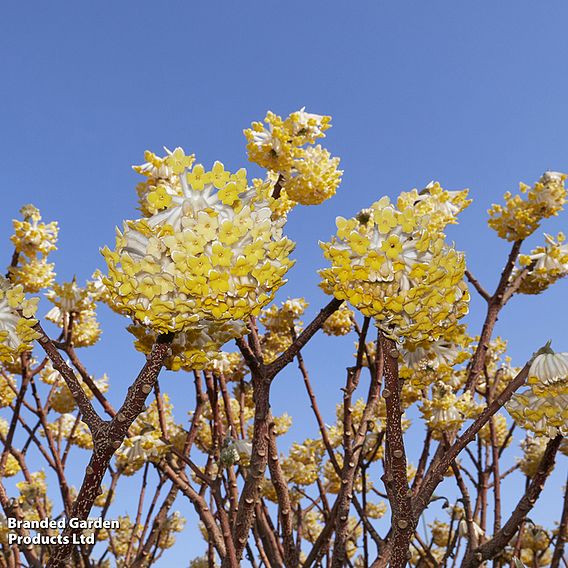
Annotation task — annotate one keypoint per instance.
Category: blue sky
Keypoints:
(470, 94)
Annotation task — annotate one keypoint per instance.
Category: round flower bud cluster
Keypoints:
(30, 492)
(102, 497)
(145, 443)
(306, 175)
(311, 524)
(71, 300)
(302, 464)
(283, 319)
(543, 408)
(139, 449)
(445, 411)
(11, 467)
(60, 398)
(440, 532)
(68, 427)
(230, 365)
(339, 322)
(202, 562)
(535, 546)
(149, 421)
(547, 264)
(16, 323)
(204, 438)
(174, 523)
(33, 241)
(391, 265)
(376, 510)
(122, 538)
(533, 449)
(424, 371)
(7, 390)
(500, 428)
(281, 323)
(519, 217)
(212, 254)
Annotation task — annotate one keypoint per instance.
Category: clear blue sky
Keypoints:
(470, 94)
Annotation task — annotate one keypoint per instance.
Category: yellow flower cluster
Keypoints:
(60, 398)
(417, 557)
(445, 411)
(307, 175)
(34, 274)
(16, 323)
(213, 254)
(102, 497)
(440, 532)
(543, 415)
(548, 264)
(339, 322)
(145, 443)
(150, 419)
(283, 319)
(33, 241)
(12, 467)
(67, 427)
(7, 390)
(376, 510)
(279, 323)
(543, 408)
(139, 449)
(312, 525)
(204, 438)
(501, 430)
(174, 523)
(314, 177)
(71, 300)
(301, 466)
(30, 492)
(535, 546)
(519, 217)
(392, 265)
(202, 562)
(230, 365)
(122, 537)
(533, 449)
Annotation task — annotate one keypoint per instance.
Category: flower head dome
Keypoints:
(543, 408)
(546, 265)
(33, 241)
(16, 325)
(519, 217)
(306, 174)
(391, 264)
(213, 253)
